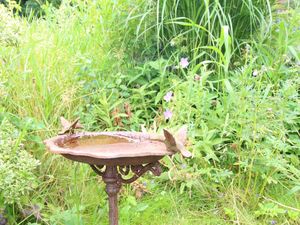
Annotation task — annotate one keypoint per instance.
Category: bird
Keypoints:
(69, 127)
(176, 143)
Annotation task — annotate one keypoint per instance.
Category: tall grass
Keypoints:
(61, 53)
(208, 32)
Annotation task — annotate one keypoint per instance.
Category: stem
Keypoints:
(282, 205)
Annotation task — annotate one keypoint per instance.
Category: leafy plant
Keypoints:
(17, 167)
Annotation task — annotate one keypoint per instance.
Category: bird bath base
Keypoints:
(113, 178)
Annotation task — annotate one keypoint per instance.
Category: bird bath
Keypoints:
(113, 155)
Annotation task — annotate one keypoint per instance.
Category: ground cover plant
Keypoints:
(228, 71)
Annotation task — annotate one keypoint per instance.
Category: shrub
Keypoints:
(17, 166)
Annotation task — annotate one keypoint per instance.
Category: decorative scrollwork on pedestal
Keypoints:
(98, 169)
(124, 170)
(137, 170)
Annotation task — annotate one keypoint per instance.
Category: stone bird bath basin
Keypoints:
(114, 155)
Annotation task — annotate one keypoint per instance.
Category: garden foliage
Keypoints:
(227, 69)
(10, 27)
(17, 166)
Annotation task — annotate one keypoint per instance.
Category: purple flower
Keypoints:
(273, 222)
(184, 63)
(168, 114)
(168, 96)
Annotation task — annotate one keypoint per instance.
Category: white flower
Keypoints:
(255, 73)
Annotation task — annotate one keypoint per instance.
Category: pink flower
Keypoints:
(168, 96)
(168, 114)
(184, 63)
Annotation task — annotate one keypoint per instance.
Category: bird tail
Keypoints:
(176, 142)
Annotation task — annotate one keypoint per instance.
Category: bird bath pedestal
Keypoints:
(112, 177)
(115, 155)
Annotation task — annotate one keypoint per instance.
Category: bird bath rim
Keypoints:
(107, 148)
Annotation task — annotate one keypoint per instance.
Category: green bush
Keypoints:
(17, 166)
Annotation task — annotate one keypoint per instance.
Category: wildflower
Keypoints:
(145, 183)
(197, 77)
(255, 73)
(183, 166)
(273, 222)
(168, 114)
(184, 63)
(168, 96)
